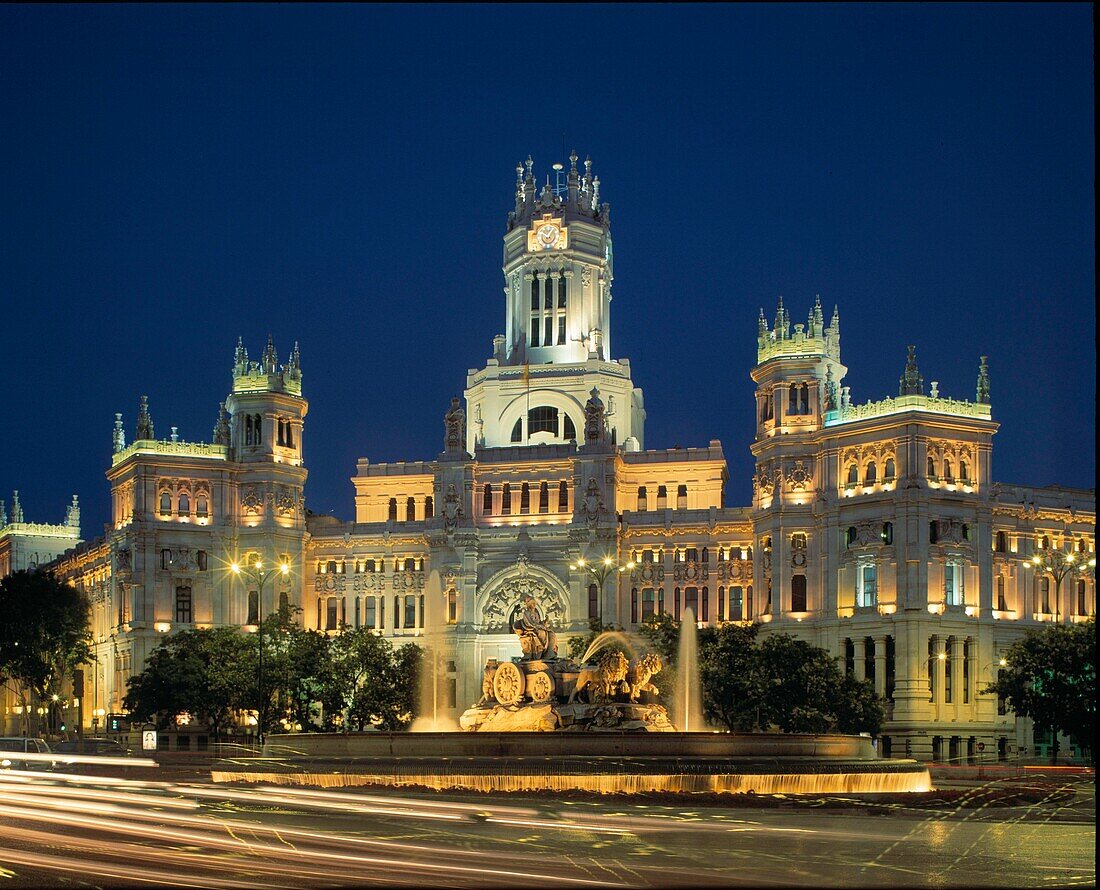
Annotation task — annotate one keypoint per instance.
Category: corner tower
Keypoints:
(558, 269)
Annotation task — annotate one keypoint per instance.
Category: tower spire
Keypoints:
(144, 422)
(221, 426)
(270, 359)
(782, 324)
(911, 382)
(983, 382)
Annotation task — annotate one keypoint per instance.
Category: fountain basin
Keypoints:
(611, 762)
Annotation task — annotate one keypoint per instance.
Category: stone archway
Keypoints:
(512, 586)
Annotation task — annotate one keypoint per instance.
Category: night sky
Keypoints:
(177, 176)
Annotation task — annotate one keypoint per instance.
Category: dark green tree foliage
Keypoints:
(733, 685)
(579, 645)
(297, 670)
(1051, 678)
(372, 685)
(44, 634)
(205, 673)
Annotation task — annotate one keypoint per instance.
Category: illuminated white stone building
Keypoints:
(875, 529)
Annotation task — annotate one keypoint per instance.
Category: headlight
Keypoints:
(5, 762)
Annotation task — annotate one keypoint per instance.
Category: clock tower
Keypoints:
(558, 269)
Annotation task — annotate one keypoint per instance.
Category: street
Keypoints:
(141, 828)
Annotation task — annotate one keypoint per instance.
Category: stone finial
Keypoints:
(175, 437)
(118, 435)
(911, 383)
(240, 358)
(782, 329)
(982, 397)
(221, 426)
(269, 361)
(762, 325)
(573, 161)
(3, 514)
(16, 508)
(72, 514)
(454, 423)
(835, 322)
(294, 363)
(144, 422)
(830, 390)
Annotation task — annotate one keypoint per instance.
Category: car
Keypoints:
(94, 747)
(12, 746)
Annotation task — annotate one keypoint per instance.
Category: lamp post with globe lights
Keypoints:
(599, 570)
(255, 572)
(1058, 564)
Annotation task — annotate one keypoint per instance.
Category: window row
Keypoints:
(401, 563)
(691, 554)
(662, 498)
(410, 513)
(285, 434)
(508, 494)
(370, 611)
(955, 661)
(870, 472)
(183, 504)
(731, 604)
(868, 663)
(948, 474)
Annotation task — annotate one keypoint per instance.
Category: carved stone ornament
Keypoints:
(593, 503)
(452, 508)
(799, 476)
(252, 500)
(762, 481)
(373, 582)
(455, 423)
(798, 550)
(498, 611)
(329, 583)
(124, 559)
(868, 533)
(286, 503)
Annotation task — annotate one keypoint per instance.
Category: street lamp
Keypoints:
(256, 573)
(1058, 564)
(599, 571)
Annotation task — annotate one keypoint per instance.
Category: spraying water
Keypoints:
(687, 703)
(606, 639)
(431, 713)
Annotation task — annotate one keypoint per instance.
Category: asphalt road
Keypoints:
(58, 830)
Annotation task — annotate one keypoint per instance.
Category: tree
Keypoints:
(371, 685)
(1051, 678)
(733, 686)
(205, 673)
(44, 635)
(297, 669)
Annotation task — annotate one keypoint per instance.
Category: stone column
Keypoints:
(880, 666)
(940, 667)
(860, 657)
(955, 654)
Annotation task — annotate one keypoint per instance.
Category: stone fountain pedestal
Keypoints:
(542, 695)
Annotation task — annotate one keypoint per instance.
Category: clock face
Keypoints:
(547, 236)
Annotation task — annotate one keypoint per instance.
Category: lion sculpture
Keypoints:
(605, 678)
(640, 672)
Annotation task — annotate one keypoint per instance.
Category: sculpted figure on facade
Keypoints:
(536, 638)
(454, 422)
(594, 426)
(452, 508)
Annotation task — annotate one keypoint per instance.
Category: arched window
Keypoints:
(1002, 606)
(289, 435)
(871, 476)
(279, 424)
(948, 471)
(517, 431)
(487, 499)
(429, 507)
(853, 474)
(850, 536)
(1082, 606)
(563, 497)
(662, 497)
(535, 292)
(257, 428)
(543, 419)
(887, 533)
(890, 470)
(593, 602)
(544, 497)
(1001, 545)
(202, 506)
(964, 471)
(1044, 594)
(185, 505)
(792, 399)
(452, 606)
(202, 561)
(642, 507)
(647, 603)
(804, 408)
(570, 432)
(393, 510)
(525, 498)
(1044, 544)
(506, 499)
(410, 509)
(681, 497)
(798, 593)
(931, 468)
(165, 504)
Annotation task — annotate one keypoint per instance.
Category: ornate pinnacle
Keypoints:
(270, 359)
(16, 508)
(3, 514)
(72, 514)
(983, 382)
(762, 325)
(573, 160)
(118, 436)
(144, 422)
(221, 426)
(911, 382)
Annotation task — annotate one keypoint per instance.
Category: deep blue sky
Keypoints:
(176, 176)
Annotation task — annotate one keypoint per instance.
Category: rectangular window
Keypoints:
(548, 331)
(647, 603)
(634, 605)
(410, 611)
(867, 586)
(736, 612)
(330, 614)
(593, 602)
(721, 602)
(561, 330)
(1002, 708)
(1002, 606)
(798, 593)
(452, 607)
(676, 603)
(953, 584)
(371, 610)
(535, 292)
(183, 605)
(966, 672)
(253, 607)
(947, 666)
(1044, 594)
(1082, 608)
(704, 605)
(691, 601)
(562, 285)
(534, 330)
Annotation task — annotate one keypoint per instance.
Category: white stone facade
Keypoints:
(875, 530)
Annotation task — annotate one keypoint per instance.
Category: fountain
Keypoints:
(546, 723)
(428, 716)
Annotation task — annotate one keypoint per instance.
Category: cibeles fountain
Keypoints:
(542, 691)
(550, 723)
